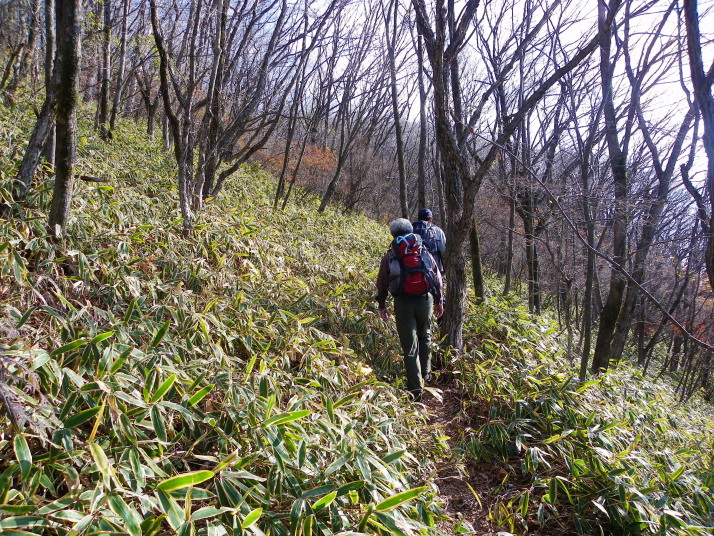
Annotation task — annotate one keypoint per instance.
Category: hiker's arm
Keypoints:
(383, 283)
(439, 287)
(441, 242)
(439, 296)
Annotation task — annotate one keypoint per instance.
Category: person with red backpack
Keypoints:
(411, 275)
(435, 240)
(432, 236)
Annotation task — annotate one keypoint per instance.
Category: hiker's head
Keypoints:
(425, 214)
(400, 227)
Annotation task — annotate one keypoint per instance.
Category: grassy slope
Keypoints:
(142, 355)
(266, 314)
(617, 455)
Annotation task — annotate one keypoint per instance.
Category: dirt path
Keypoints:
(458, 479)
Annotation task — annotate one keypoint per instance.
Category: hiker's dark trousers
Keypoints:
(413, 315)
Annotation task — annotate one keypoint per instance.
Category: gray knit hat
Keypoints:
(400, 227)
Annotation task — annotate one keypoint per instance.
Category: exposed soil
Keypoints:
(454, 473)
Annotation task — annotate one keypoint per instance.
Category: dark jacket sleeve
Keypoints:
(383, 282)
(440, 241)
(438, 284)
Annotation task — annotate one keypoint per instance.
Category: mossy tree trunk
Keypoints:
(69, 30)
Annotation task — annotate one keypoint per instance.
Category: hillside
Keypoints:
(240, 381)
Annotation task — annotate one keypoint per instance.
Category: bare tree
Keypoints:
(105, 70)
(42, 137)
(50, 45)
(392, 25)
(254, 119)
(68, 15)
(463, 174)
(361, 88)
(181, 123)
(618, 164)
(423, 132)
(22, 57)
(119, 89)
(585, 145)
(702, 82)
(617, 314)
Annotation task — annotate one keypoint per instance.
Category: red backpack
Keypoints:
(412, 274)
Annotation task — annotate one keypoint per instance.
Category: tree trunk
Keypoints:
(292, 125)
(590, 271)
(525, 206)
(458, 230)
(509, 247)
(27, 50)
(292, 120)
(103, 112)
(534, 295)
(421, 157)
(151, 105)
(640, 333)
(118, 92)
(332, 186)
(476, 268)
(391, 44)
(627, 312)
(214, 107)
(42, 137)
(11, 65)
(441, 195)
(293, 178)
(69, 31)
(705, 102)
(180, 129)
(50, 45)
(675, 354)
(565, 314)
(166, 132)
(618, 164)
(151, 115)
(37, 144)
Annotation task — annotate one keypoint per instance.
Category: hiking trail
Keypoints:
(457, 477)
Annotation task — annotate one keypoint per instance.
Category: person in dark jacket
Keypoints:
(433, 237)
(413, 313)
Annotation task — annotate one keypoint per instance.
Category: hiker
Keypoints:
(410, 274)
(435, 240)
(432, 236)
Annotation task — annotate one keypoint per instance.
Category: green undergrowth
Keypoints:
(616, 455)
(217, 384)
(240, 382)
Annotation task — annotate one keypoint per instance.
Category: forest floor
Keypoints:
(469, 490)
(465, 487)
